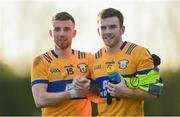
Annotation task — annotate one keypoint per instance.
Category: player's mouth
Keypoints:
(108, 38)
(62, 40)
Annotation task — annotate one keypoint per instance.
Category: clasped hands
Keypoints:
(81, 84)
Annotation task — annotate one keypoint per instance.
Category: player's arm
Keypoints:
(39, 78)
(147, 84)
(43, 98)
(39, 83)
(122, 91)
(139, 94)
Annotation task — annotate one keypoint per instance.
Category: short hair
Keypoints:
(110, 12)
(63, 16)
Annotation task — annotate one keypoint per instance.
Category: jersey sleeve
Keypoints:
(38, 71)
(144, 60)
(147, 77)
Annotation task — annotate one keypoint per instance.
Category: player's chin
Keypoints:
(63, 47)
(109, 44)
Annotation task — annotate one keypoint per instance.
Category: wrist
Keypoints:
(129, 93)
(73, 93)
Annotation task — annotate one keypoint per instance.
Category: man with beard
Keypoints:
(52, 73)
(140, 80)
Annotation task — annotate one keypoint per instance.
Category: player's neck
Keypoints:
(64, 53)
(114, 49)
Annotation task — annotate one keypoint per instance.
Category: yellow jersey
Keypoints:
(58, 74)
(129, 60)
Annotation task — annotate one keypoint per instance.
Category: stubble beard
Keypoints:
(109, 41)
(62, 44)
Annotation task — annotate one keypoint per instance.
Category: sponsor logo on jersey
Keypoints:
(54, 70)
(104, 92)
(110, 63)
(68, 87)
(97, 67)
(123, 63)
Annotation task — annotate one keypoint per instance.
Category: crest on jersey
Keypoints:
(123, 63)
(82, 67)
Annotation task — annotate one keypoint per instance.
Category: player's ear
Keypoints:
(122, 29)
(98, 31)
(74, 33)
(50, 33)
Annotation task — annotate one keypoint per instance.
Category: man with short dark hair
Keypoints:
(53, 72)
(140, 80)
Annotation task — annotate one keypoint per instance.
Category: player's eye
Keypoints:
(112, 26)
(57, 29)
(103, 27)
(66, 29)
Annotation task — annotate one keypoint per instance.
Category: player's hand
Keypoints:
(118, 90)
(81, 85)
(80, 82)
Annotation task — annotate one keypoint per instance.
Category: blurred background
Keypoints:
(24, 26)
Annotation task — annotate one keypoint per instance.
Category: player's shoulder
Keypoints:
(99, 53)
(133, 48)
(44, 57)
